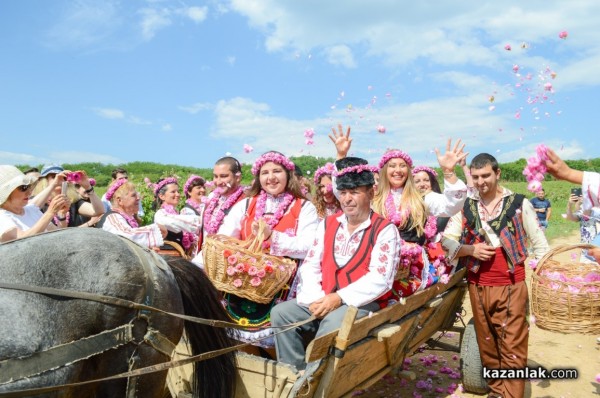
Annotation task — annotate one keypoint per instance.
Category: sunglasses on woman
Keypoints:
(25, 188)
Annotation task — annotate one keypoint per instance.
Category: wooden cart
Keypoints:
(354, 357)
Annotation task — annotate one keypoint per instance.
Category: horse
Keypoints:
(97, 262)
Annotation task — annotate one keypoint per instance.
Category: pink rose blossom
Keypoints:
(261, 273)
(252, 271)
(515, 68)
(548, 86)
(563, 35)
(309, 141)
(309, 133)
(237, 283)
(230, 271)
(248, 148)
(232, 259)
(255, 281)
(507, 47)
(381, 129)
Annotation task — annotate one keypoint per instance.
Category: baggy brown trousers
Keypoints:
(502, 329)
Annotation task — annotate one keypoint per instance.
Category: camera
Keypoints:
(576, 191)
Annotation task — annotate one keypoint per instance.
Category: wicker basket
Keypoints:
(561, 304)
(243, 269)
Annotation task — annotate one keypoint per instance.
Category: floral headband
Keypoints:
(426, 169)
(393, 155)
(113, 188)
(190, 181)
(357, 169)
(275, 158)
(161, 184)
(327, 169)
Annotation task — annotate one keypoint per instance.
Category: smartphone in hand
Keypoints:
(63, 189)
(576, 191)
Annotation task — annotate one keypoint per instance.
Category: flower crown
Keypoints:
(327, 169)
(359, 168)
(113, 188)
(190, 181)
(275, 158)
(393, 155)
(161, 184)
(426, 169)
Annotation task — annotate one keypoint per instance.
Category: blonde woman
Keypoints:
(398, 199)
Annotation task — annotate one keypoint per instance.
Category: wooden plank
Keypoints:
(361, 363)
(434, 319)
(341, 344)
(318, 348)
(261, 377)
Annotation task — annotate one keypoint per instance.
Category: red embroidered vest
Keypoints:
(336, 277)
(287, 224)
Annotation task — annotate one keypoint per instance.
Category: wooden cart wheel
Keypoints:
(470, 362)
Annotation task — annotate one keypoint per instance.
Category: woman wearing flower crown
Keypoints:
(325, 201)
(399, 201)
(274, 196)
(183, 229)
(121, 218)
(425, 179)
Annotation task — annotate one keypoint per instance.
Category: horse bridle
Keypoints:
(14, 369)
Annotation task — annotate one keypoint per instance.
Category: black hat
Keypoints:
(350, 174)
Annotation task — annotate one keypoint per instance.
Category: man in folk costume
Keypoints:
(227, 177)
(489, 236)
(352, 262)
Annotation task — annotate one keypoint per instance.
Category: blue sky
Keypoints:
(187, 82)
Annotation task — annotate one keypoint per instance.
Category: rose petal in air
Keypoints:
(507, 47)
(563, 35)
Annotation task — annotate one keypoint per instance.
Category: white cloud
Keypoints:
(109, 113)
(196, 14)
(80, 157)
(57, 158)
(20, 158)
(197, 107)
(167, 127)
(447, 32)
(340, 55)
(417, 128)
(153, 20)
(83, 24)
(231, 60)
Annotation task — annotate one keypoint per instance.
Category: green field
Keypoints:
(558, 193)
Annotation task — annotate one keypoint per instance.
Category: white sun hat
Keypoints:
(10, 179)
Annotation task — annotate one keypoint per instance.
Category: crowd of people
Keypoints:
(362, 235)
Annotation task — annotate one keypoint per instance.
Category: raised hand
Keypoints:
(341, 141)
(452, 156)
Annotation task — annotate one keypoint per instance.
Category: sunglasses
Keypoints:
(25, 188)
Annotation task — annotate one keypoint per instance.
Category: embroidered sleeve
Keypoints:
(186, 211)
(309, 274)
(148, 236)
(448, 203)
(451, 236)
(295, 244)
(590, 190)
(533, 230)
(177, 222)
(382, 269)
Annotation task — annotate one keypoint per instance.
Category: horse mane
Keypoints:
(214, 377)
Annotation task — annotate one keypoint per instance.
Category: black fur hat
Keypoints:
(353, 179)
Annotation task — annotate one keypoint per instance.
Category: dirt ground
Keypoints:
(437, 370)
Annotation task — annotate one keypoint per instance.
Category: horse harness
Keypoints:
(15, 369)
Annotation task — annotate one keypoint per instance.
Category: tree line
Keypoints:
(512, 171)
